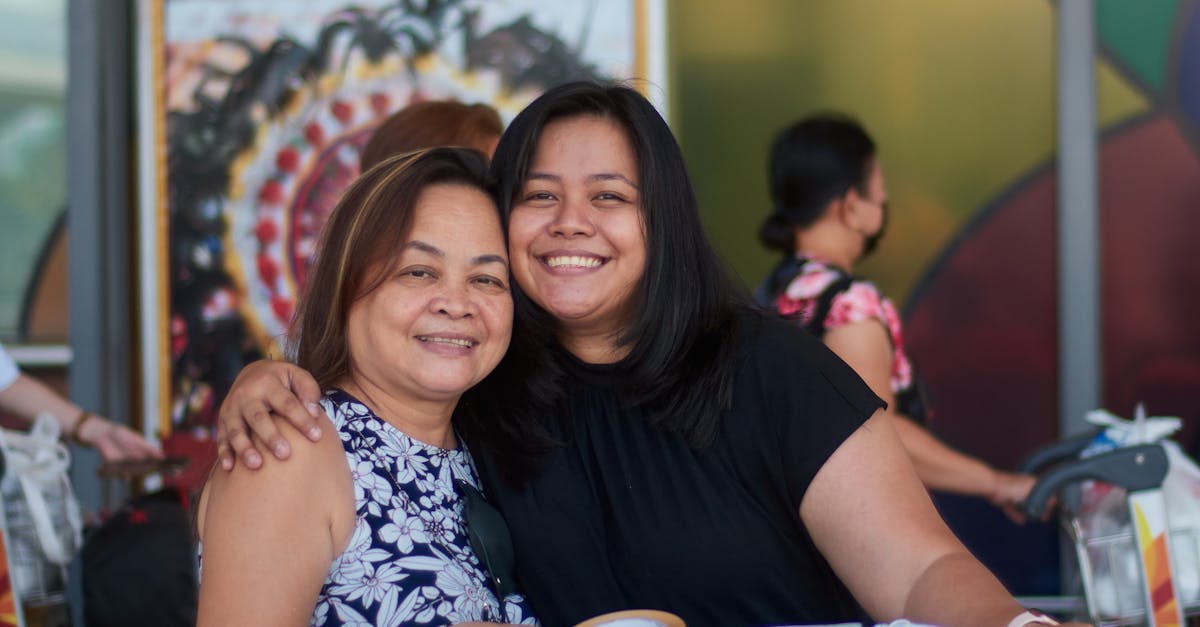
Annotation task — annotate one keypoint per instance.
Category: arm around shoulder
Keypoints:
(270, 535)
(263, 390)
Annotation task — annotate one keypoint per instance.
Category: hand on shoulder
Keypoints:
(265, 394)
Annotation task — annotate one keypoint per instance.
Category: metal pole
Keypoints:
(1078, 231)
(1078, 217)
(98, 201)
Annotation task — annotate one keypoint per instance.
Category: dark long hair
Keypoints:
(812, 162)
(683, 333)
(364, 232)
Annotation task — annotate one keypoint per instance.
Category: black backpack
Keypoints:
(139, 567)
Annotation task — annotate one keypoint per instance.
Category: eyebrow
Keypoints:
(477, 260)
(603, 176)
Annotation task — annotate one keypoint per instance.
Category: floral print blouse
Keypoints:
(858, 302)
(409, 561)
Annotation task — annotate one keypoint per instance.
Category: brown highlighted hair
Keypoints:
(430, 124)
(365, 231)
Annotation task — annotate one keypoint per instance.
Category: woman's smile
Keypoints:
(569, 262)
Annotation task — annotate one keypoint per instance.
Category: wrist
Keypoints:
(992, 491)
(73, 434)
(86, 428)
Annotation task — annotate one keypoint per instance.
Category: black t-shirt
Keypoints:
(626, 516)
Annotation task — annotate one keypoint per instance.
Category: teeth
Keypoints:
(574, 261)
(446, 340)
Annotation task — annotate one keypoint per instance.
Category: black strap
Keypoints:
(816, 326)
(779, 278)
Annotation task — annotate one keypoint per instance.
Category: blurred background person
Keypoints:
(434, 123)
(830, 211)
(24, 397)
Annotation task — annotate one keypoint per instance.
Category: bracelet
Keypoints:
(83, 417)
(1031, 617)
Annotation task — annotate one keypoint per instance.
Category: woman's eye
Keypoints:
(490, 281)
(609, 196)
(538, 196)
(418, 273)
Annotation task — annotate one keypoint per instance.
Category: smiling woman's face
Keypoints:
(441, 319)
(576, 237)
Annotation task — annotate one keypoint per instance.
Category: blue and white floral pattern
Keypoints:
(409, 561)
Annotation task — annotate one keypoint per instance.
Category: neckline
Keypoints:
(459, 450)
(601, 375)
(805, 258)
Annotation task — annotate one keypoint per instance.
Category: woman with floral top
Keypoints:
(406, 307)
(830, 212)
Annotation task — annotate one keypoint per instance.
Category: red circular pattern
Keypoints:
(287, 159)
(343, 111)
(266, 231)
(271, 192)
(308, 178)
(314, 134)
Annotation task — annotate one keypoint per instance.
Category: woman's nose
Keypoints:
(455, 302)
(572, 219)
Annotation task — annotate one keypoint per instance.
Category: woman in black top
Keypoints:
(654, 441)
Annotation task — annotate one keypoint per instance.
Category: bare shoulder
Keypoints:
(315, 473)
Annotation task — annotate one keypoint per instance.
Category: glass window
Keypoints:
(32, 163)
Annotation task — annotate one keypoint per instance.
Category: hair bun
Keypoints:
(778, 233)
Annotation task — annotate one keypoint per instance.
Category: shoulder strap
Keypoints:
(779, 278)
(816, 326)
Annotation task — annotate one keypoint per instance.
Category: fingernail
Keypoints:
(281, 450)
(313, 409)
(314, 433)
(227, 463)
(253, 459)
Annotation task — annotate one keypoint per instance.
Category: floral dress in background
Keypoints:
(803, 289)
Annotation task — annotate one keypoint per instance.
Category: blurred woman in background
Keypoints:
(830, 210)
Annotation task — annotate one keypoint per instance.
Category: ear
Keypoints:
(847, 208)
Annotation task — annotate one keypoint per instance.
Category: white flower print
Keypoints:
(372, 583)
(516, 612)
(403, 531)
(367, 482)
(439, 524)
(470, 595)
(409, 561)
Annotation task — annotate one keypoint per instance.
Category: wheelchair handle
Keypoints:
(1134, 468)
(1062, 450)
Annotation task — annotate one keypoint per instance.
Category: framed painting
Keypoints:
(251, 117)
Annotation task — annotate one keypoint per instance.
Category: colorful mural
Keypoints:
(1003, 337)
(262, 110)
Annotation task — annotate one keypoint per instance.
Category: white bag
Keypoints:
(1105, 513)
(41, 512)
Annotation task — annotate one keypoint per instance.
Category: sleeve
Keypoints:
(814, 401)
(861, 301)
(8, 369)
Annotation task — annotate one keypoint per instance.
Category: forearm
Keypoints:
(937, 597)
(941, 467)
(27, 397)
